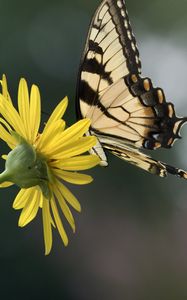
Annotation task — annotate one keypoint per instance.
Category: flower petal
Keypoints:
(58, 112)
(58, 222)
(12, 116)
(6, 184)
(78, 147)
(23, 106)
(78, 163)
(21, 199)
(2, 121)
(73, 133)
(7, 137)
(51, 134)
(46, 216)
(35, 112)
(30, 209)
(5, 89)
(65, 209)
(4, 156)
(70, 198)
(73, 177)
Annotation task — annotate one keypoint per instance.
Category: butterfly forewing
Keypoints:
(110, 53)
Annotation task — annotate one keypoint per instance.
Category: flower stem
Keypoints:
(5, 176)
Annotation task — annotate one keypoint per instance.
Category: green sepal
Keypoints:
(26, 168)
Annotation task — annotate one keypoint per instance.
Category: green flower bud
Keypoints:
(26, 168)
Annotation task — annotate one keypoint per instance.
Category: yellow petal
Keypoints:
(5, 89)
(65, 209)
(30, 209)
(58, 222)
(23, 106)
(73, 177)
(73, 133)
(2, 121)
(21, 198)
(12, 117)
(35, 112)
(51, 134)
(70, 198)
(46, 216)
(56, 132)
(58, 112)
(6, 184)
(77, 163)
(78, 147)
(7, 137)
(4, 156)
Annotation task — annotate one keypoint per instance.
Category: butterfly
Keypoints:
(127, 112)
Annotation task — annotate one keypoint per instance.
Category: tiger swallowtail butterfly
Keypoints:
(127, 113)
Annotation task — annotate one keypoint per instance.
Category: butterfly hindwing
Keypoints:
(134, 111)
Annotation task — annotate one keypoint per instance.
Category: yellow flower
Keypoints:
(39, 163)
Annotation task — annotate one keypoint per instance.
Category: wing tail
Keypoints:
(149, 164)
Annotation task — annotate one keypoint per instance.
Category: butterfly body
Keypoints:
(127, 112)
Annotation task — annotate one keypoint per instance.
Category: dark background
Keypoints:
(131, 240)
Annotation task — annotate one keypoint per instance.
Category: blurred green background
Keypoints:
(131, 240)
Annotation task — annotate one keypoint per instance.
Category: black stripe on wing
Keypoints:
(93, 66)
